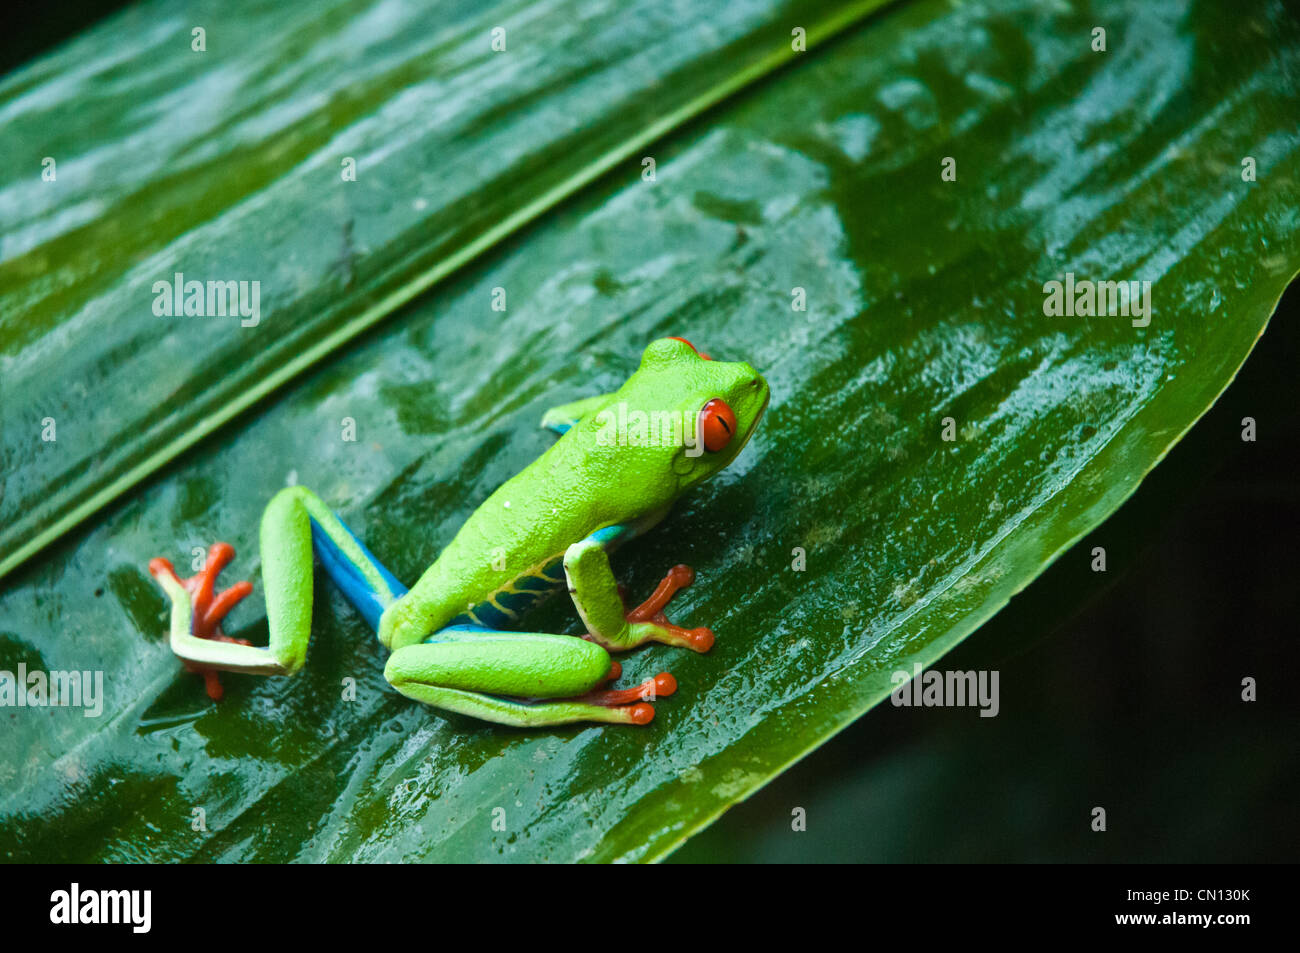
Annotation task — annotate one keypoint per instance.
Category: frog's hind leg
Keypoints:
(295, 523)
(361, 578)
(525, 679)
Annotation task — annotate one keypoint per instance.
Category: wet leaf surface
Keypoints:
(924, 302)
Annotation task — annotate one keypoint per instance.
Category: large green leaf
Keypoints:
(924, 302)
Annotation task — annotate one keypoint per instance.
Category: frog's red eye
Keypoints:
(717, 424)
(702, 355)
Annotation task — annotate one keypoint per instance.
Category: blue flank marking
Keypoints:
(349, 578)
(609, 534)
(530, 589)
(488, 615)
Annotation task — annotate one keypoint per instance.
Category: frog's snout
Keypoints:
(752, 400)
(756, 380)
(758, 384)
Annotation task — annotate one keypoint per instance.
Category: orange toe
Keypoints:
(641, 714)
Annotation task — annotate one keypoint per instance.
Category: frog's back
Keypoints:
(510, 552)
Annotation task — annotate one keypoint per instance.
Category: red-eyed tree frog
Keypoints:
(621, 462)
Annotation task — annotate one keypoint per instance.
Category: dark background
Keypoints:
(30, 28)
(1119, 689)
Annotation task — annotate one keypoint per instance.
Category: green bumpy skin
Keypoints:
(621, 462)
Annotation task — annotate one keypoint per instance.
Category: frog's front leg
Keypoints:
(525, 679)
(596, 595)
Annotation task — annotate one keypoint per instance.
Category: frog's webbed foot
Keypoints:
(651, 613)
(600, 601)
(661, 686)
(208, 606)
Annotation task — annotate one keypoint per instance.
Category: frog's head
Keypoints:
(715, 405)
